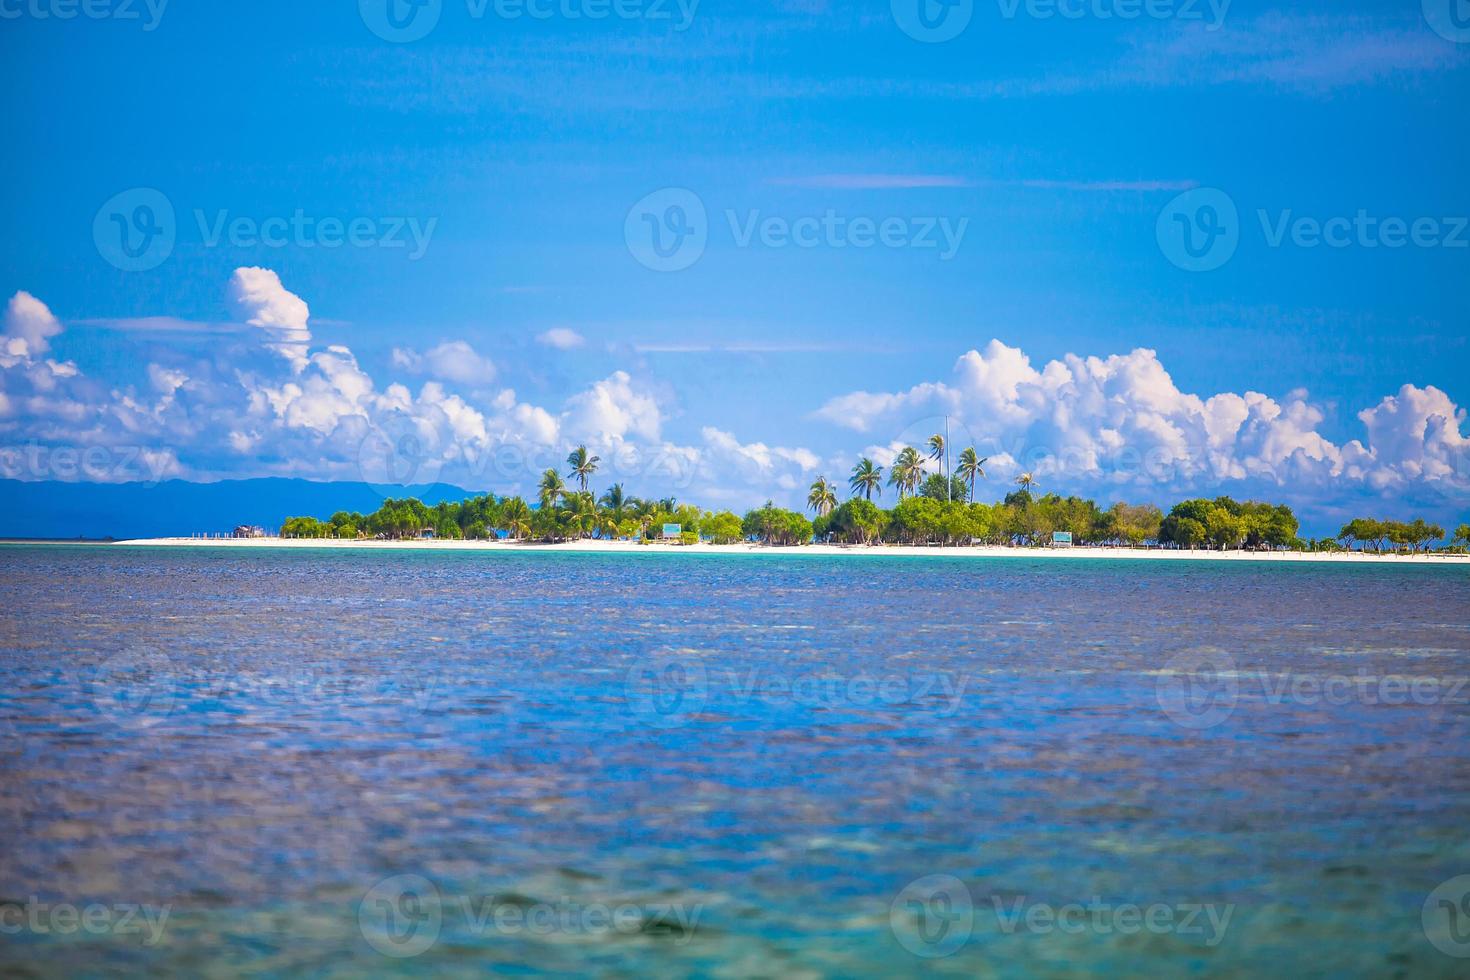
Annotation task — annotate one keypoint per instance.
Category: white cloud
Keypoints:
(29, 326)
(732, 472)
(454, 360)
(562, 338)
(266, 403)
(613, 408)
(764, 459)
(1414, 435)
(1121, 420)
(265, 303)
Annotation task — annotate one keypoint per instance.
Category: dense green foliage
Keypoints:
(1225, 523)
(932, 509)
(1414, 535)
(772, 525)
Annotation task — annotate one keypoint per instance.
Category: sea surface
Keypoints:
(334, 763)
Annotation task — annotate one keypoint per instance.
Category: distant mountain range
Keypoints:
(53, 509)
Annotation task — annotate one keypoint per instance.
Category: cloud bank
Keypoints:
(1121, 422)
(267, 401)
(272, 404)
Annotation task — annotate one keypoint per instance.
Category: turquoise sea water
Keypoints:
(336, 763)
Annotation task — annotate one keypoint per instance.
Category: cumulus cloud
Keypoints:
(264, 401)
(1414, 435)
(614, 408)
(265, 303)
(728, 462)
(454, 360)
(562, 338)
(1121, 420)
(29, 326)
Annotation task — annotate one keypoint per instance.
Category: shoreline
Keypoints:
(595, 547)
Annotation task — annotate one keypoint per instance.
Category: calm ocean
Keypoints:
(331, 763)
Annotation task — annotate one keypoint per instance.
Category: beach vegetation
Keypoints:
(1379, 535)
(931, 510)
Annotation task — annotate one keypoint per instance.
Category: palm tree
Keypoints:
(936, 448)
(898, 478)
(515, 517)
(616, 502)
(822, 497)
(866, 479)
(907, 471)
(582, 465)
(546, 524)
(937, 453)
(644, 510)
(551, 489)
(581, 516)
(1026, 481)
(914, 468)
(971, 466)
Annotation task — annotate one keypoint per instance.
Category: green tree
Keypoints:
(1352, 532)
(936, 487)
(866, 479)
(907, 471)
(822, 497)
(774, 525)
(937, 453)
(917, 520)
(724, 528)
(1420, 533)
(616, 502)
(1135, 525)
(971, 466)
(580, 514)
(858, 520)
(1188, 532)
(1398, 533)
(582, 466)
(515, 518)
(305, 527)
(551, 489)
(1223, 528)
(547, 525)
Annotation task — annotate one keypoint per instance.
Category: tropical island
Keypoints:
(933, 508)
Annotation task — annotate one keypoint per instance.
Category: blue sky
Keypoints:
(1048, 146)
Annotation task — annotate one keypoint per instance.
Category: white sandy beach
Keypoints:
(814, 551)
